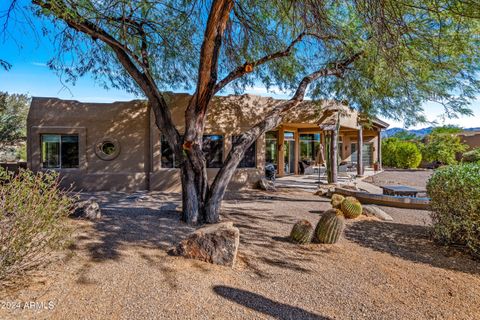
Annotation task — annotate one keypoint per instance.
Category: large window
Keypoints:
(168, 156)
(309, 146)
(249, 158)
(59, 151)
(212, 147)
(271, 148)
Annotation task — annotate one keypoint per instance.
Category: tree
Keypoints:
(443, 144)
(405, 135)
(13, 116)
(381, 56)
(399, 153)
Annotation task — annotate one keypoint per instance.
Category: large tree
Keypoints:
(381, 56)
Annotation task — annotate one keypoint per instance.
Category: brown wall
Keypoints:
(472, 139)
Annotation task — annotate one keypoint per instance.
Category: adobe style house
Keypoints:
(117, 146)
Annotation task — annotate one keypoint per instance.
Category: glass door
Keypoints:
(289, 152)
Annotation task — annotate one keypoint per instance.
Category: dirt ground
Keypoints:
(119, 267)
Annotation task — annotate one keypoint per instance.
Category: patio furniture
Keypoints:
(400, 190)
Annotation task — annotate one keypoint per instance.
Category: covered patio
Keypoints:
(350, 143)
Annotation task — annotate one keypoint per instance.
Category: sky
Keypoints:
(28, 52)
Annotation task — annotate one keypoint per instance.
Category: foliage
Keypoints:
(13, 116)
(32, 221)
(351, 208)
(400, 154)
(443, 145)
(455, 204)
(330, 227)
(302, 232)
(471, 156)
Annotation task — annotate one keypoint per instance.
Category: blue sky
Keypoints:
(29, 52)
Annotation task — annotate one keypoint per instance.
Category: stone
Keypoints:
(374, 211)
(266, 185)
(88, 209)
(217, 244)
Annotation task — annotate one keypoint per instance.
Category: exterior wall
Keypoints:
(349, 137)
(125, 122)
(472, 139)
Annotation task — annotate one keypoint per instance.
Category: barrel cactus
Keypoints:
(330, 227)
(337, 200)
(302, 232)
(351, 208)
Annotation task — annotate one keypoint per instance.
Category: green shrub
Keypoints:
(471, 156)
(455, 204)
(400, 154)
(32, 221)
(443, 146)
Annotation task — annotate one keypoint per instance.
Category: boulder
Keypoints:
(374, 211)
(266, 185)
(88, 209)
(217, 243)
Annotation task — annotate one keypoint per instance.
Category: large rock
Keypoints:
(265, 184)
(87, 209)
(371, 210)
(216, 244)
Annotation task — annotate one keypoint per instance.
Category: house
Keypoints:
(470, 138)
(117, 146)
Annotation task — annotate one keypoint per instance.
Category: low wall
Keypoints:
(13, 166)
(384, 200)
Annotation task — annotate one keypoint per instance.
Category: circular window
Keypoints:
(107, 149)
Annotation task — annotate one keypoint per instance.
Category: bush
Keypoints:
(471, 156)
(443, 147)
(400, 154)
(455, 204)
(32, 221)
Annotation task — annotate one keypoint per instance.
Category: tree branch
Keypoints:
(248, 67)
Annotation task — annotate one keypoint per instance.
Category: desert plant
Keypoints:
(32, 221)
(443, 145)
(351, 208)
(302, 232)
(455, 206)
(471, 156)
(401, 154)
(330, 227)
(337, 200)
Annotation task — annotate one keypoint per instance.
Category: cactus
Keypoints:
(351, 208)
(337, 200)
(302, 232)
(330, 227)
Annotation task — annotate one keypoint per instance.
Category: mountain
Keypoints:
(418, 132)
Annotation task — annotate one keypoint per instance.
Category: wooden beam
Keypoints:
(334, 156)
(360, 152)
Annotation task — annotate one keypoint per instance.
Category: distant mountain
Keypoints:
(418, 132)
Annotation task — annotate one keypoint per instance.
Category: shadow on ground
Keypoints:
(148, 222)
(265, 305)
(410, 242)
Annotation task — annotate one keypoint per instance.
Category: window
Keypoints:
(213, 149)
(271, 147)
(168, 156)
(249, 158)
(309, 147)
(60, 151)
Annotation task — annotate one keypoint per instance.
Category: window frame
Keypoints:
(60, 162)
(254, 145)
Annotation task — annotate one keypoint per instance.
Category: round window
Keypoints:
(107, 149)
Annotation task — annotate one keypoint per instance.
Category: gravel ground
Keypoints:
(119, 268)
(413, 178)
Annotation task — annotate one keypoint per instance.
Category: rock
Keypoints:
(87, 209)
(216, 244)
(266, 185)
(371, 210)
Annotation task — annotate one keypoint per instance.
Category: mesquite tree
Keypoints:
(382, 56)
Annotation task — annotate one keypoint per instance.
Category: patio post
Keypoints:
(379, 150)
(334, 156)
(360, 152)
